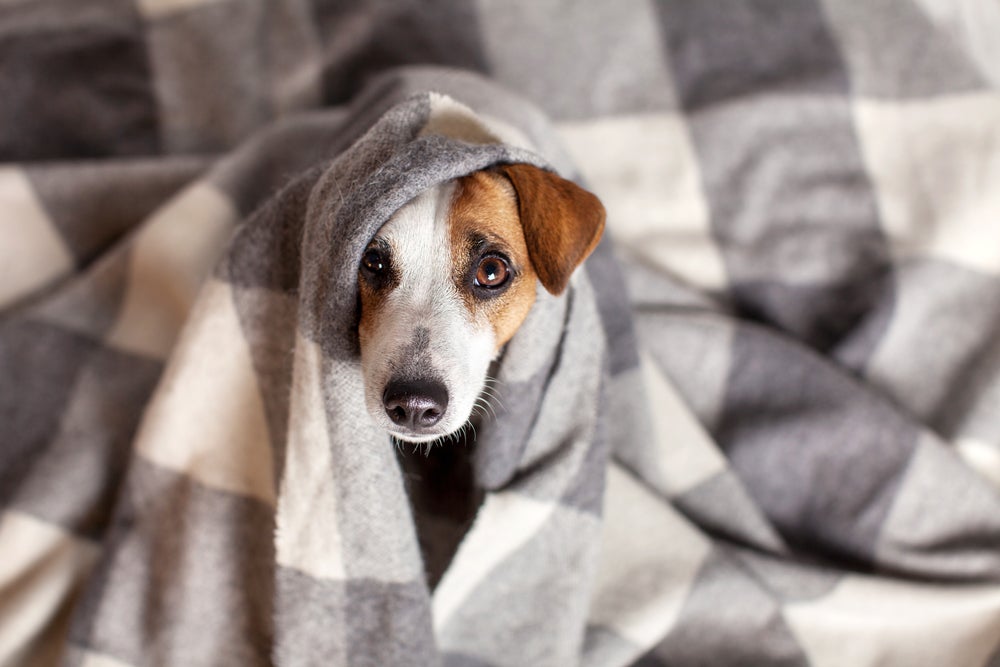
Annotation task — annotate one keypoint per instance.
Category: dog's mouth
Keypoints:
(418, 439)
(429, 436)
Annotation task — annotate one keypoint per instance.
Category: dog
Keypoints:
(446, 282)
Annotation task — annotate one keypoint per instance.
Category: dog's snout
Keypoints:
(416, 405)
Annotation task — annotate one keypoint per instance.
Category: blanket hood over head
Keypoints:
(345, 541)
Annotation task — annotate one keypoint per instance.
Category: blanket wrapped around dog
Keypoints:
(768, 437)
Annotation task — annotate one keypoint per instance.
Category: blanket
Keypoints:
(760, 427)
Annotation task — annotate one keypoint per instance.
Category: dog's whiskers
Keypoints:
(490, 391)
(494, 398)
(484, 409)
(472, 426)
(492, 384)
(490, 402)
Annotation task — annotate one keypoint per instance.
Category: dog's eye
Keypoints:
(374, 260)
(492, 272)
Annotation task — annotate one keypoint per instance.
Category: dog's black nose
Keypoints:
(415, 404)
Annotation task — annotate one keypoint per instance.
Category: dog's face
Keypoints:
(447, 281)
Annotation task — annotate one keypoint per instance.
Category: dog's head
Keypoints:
(450, 277)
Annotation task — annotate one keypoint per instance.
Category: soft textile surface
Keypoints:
(770, 435)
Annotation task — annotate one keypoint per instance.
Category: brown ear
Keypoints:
(562, 222)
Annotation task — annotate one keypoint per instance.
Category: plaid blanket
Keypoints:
(761, 428)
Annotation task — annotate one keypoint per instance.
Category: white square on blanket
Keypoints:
(935, 165)
(42, 565)
(206, 419)
(895, 622)
(32, 253)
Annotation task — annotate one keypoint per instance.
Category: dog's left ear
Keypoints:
(562, 222)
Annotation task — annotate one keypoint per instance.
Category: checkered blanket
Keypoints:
(768, 434)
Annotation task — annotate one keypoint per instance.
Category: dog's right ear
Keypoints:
(562, 222)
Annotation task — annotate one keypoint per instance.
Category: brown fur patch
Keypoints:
(485, 209)
(371, 300)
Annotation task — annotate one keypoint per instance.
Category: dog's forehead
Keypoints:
(420, 215)
(417, 233)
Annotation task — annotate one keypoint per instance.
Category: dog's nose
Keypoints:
(415, 404)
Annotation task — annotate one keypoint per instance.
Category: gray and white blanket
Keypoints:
(761, 428)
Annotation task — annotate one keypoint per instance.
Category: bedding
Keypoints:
(760, 428)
